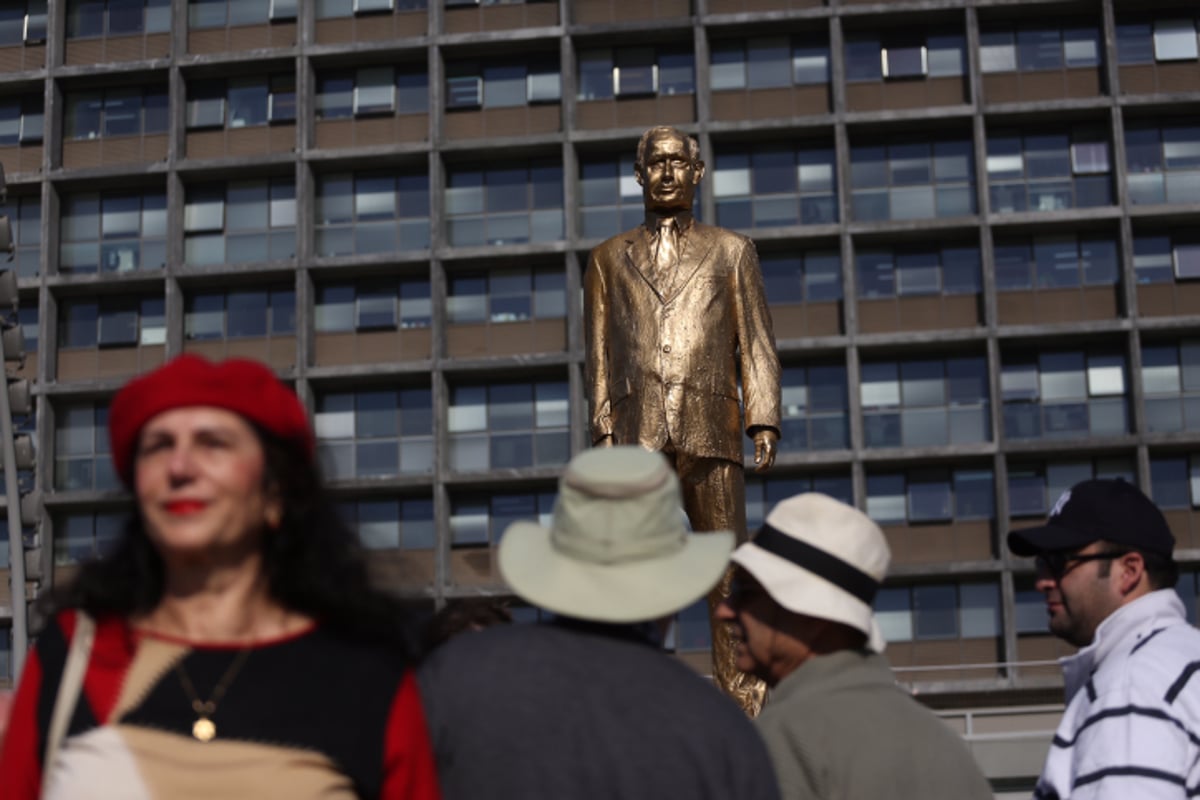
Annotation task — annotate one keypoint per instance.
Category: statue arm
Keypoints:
(595, 323)
(759, 358)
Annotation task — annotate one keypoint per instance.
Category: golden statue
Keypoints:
(673, 309)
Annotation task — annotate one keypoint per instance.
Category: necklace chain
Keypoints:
(203, 728)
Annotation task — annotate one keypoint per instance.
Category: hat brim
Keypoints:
(629, 591)
(803, 592)
(1047, 539)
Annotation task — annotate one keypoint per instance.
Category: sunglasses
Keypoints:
(1058, 563)
(744, 590)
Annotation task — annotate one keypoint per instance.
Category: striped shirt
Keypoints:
(1132, 724)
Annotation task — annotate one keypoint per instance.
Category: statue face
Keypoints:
(668, 177)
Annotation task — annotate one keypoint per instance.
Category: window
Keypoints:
(870, 57)
(1048, 171)
(1034, 488)
(1064, 394)
(239, 314)
(925, 403)
(1048, 262)
(331, 9)
(968, 610)
(506, 295)
(812, 277)
(918, 180)
(691, 632)
(763, 493)
(240, 222)
(1164, 40)
(82, 460)
(503, 425)
(1037, 48)
(241, 102)
(375, 433)
(502, 84)
(6, 664)
(112, 322)
(1163, 259)
(113, 232)
(22, 424)
(1171, 383)
(25, 218)
(635, 72)
(769, 62)
(903, 273)
(220, 13)
(1163, 163)
(513, 204)
(22, 23)
(931, 495)
(773, 185)
(814, 404)
(1175, 481)
(478, 520)
(87, 18)
(405, 524)
(116, 112)
(80, 537)
(372, 212)
(369, 91)
(610, 199)
(372, 305)
(21, 120)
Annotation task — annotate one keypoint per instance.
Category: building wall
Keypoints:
(975, 219)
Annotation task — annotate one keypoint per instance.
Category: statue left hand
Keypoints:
(766, 444)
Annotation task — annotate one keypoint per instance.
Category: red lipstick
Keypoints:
(184, 506)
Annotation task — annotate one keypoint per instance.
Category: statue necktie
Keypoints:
(666, 256)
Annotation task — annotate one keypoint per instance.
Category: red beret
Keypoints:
(239, 385)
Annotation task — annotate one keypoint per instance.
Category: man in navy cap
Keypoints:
(1132, 724)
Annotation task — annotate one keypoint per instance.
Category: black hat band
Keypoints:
(841, 574)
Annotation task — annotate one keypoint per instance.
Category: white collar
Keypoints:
(1134, 619)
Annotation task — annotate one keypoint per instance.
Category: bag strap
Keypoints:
(69, 687)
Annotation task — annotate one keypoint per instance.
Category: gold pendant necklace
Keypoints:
(204, 729)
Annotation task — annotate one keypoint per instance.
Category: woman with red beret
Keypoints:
(230, 645)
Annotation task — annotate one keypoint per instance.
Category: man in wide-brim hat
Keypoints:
(588, 705)
(800, 610)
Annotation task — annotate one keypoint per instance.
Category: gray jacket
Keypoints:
(838, 728)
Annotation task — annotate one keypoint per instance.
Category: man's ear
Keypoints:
(637, 174)
(1131, 571)
(698, 172)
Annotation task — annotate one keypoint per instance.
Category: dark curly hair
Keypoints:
(313, 563)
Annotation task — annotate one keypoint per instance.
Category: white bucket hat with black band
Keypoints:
(821, 558)
(618, 549)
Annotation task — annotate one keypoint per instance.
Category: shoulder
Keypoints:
(614, 245)
(723, 236)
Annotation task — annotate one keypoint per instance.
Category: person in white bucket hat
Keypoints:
(836, 724)
(588, 705)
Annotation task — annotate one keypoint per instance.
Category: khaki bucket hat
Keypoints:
(618, 548)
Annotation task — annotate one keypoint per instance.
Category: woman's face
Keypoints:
(200, 484)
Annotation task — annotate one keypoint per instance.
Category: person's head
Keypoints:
(617, 550)
(190, 440)
(804, 586)
(668, 168)
(1105, 544)
(221, 460)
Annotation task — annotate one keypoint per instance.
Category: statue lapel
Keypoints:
(698, 245)
(640, 257)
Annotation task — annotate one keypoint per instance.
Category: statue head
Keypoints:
(668, 168)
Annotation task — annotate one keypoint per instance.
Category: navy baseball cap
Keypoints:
(1109, 510)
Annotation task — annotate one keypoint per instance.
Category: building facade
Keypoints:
(977, 224)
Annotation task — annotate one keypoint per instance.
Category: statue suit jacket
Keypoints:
(664, 351)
